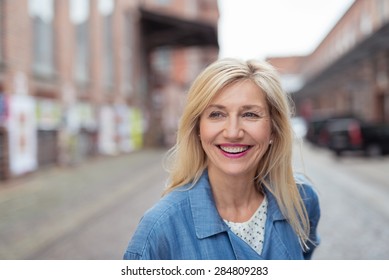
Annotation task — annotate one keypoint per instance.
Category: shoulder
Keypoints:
(158, 224)
(305, 186)
(171, 204)
(311, 201)
(308, 193)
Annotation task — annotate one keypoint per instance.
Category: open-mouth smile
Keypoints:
(234, 149)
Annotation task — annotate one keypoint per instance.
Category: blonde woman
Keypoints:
(232, 193)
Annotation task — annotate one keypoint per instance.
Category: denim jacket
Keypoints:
(185, 224)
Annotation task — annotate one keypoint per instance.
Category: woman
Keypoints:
(232, 193)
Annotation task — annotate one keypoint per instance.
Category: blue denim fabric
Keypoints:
(185, 224)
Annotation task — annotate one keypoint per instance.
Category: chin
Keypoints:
(235, 172)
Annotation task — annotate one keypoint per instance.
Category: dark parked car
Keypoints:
(352, 134)
(317, 132)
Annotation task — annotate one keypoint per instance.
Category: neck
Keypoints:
(236, 197)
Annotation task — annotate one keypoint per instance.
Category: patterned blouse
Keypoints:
(253, 230)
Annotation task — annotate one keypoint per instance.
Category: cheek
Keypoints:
(260, 132)
(268, 128)
(205, 131)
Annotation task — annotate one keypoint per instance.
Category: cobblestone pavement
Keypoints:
(90, 211)
(86, 212)
(354, 195)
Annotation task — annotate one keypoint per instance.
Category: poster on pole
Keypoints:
(107, 131)
(22, 134)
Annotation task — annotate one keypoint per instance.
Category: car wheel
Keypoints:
(373, 150)
(338, 153)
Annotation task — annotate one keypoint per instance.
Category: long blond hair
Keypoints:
(187, 160)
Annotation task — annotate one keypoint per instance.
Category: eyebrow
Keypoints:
(251, 107)
(244, 107)
(216, 106)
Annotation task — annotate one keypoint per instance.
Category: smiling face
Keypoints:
(235, 130)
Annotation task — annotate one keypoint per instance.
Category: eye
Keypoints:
(216, 115)
(250, 115)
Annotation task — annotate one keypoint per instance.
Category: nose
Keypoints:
(233, 129)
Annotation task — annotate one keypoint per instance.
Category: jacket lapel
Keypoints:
(274, 244)
(208, 223)
(206, 218)
(242, 250)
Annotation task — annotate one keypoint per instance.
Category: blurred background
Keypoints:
(91, 92)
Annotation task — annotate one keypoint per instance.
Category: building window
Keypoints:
(42, 13)
(191, 8)
(79, 15)
(106, 8)
(163, 2)
(194, 65)
(162, 60)
(128, 62)
(1, 30)
(365, 24)
(161, 65)
(383, 7)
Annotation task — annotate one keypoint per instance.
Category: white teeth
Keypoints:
(234, 150)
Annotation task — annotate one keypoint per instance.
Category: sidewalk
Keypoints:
(39, 209)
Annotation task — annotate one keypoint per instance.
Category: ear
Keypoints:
(271, 138)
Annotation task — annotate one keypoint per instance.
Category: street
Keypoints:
(90, 211)
(87, 212)
(354, 195)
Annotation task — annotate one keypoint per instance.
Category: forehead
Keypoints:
(243, 92)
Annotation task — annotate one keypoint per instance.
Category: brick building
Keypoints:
(85, 77)
(185, 43)
(348, 72)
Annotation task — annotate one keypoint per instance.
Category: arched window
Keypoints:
(42, 13)
(79, 15)
(106, 8)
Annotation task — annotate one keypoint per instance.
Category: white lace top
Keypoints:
(253, 230)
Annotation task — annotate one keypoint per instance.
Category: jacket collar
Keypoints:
(206, 218)
(273, 211)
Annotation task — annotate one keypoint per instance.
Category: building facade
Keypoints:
(348, 72)
(176, 59)
(76, 79)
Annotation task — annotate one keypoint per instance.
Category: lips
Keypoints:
(234, 149)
